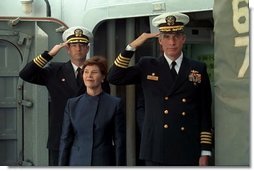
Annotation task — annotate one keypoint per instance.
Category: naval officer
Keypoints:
(177, 123)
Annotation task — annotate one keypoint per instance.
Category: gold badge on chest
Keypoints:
(195, 77)
(152, 77)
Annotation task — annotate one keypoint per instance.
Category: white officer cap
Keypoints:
(77, 34)
(171, 22)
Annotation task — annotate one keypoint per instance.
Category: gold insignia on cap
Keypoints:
(78, 32)
(78, 37)
(170, 20)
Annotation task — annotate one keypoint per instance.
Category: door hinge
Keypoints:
(26, 103)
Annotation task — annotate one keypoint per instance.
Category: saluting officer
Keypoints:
(177, 123)
(61, 79)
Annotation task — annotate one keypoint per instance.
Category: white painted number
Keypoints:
(241, 14)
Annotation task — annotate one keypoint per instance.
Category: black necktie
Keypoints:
(173, 71)
(79, 77)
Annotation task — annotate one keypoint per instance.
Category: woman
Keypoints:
(93, 132)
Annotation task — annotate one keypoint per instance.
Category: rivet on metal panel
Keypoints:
(20, 87)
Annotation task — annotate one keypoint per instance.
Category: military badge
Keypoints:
(152, 77)
(78, 32)
(170, 20)
(195, 77)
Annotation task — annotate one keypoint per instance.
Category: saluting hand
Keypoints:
(57, 48)
(142, 38)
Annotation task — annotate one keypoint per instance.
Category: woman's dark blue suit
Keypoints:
(93, 132)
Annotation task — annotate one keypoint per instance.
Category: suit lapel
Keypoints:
(70, 76)
(71, 80)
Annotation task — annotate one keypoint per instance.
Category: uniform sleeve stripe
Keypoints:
(206, 136)
(206, 142)
(122, 62)
(37, 63)
(40, 61)
(206, 139)
(206, 133)
(119, 65)
(124, 58)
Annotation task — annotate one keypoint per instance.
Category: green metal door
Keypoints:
(10, 113)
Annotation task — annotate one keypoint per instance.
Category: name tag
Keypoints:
(152, 77)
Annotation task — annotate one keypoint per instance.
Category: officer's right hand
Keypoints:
(57, 48)
(142, 38)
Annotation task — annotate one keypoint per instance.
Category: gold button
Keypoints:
(183, 113)
(166, 98)
(182, 128)
(184, 100)
(165, 111)
(165, 126)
